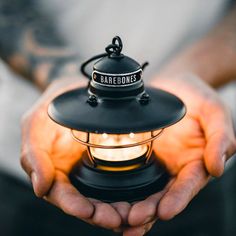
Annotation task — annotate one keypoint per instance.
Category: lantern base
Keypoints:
(114, 186)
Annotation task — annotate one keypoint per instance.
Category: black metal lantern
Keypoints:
(118, 119)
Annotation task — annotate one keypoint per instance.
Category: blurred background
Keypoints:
(171, 25)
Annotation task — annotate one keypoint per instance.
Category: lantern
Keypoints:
(117, 119)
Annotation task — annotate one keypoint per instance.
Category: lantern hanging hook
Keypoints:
(114, 48)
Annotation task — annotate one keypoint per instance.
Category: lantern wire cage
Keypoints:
(143, 157)
(89, 144)
(119, 163)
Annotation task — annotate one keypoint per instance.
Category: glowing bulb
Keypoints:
(105, 136)
(118, 154)
(131, 135)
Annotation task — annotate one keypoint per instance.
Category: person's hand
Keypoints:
(192, 150)
(46, 147)
(48, 155)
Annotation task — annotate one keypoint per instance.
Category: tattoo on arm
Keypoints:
(31, 44)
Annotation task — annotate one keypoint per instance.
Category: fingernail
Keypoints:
(146, 229)
(143, 232)
(34, 179)
(224, 158)
(148, 220)
(118, 230)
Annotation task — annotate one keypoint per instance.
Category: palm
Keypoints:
(55, 140)
(181, 144)
(180, 148)
(65, 152)
(49, 153)
(190, 149)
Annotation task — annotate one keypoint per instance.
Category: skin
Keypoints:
(198, 149)
(48, 157)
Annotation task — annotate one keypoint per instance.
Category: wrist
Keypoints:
(210, 59)
(45, 73)
(59, 86)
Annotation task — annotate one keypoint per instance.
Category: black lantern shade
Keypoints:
(117, 118)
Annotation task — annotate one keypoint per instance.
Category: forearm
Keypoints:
(31, 45)
(213, 58)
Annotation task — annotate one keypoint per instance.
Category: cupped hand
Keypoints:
(192, 150)
(48, 155)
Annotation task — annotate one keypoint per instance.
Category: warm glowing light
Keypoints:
(105, 136)
(131, 135)
(118, 154)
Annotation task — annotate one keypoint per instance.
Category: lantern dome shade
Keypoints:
(116, 116)
(116, 65)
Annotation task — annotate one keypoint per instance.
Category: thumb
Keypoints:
(220, 139)
(39, 168)
(138, 230)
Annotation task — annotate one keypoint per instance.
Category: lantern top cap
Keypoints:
(113, 61)
(116, 100)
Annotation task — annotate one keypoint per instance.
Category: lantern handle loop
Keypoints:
(82, 68)
(144, 65)
(114, 48)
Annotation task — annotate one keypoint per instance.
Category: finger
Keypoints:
(94, 222)
(145, 211)
(35, 159)
(191, 179)
(138, 230)
(221, 143)
(123, 209)
(37, 164)
(105, 215)
(67, 198)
